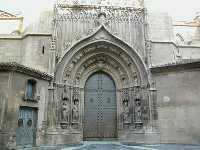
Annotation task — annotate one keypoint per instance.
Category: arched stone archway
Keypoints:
(101, 39)
(102, 52)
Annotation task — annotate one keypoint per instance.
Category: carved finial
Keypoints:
(102, 20)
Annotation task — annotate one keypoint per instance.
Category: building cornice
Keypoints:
(22, 36)
(16, 67)
(179, 66)
(173, 43)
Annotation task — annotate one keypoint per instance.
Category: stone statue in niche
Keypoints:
(77, 80)
(126, 112)
(66, 93)
(75, 111)
(102, 19)
(138, 111)
(65, 115)
(135, 80)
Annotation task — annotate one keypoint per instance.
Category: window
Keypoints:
(31, 90)
(43, 48)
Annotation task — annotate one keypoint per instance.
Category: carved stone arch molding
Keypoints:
(105, 52)
(102, 35)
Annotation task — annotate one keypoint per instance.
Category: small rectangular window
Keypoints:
(30, 90)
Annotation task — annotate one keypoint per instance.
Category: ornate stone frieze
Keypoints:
(74, 23)
(121, 3)
(101, 58)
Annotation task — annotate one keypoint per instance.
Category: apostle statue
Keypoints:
(75, 111)
(65, 115)
(126, 112)
(138, 111)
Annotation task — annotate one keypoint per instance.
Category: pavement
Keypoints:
(112, 145)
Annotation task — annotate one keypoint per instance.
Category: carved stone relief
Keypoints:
(134, 109)
(65, 115)
(124, 3)
(78, 22)
(126, 112)
(101, 61)
(75, 111)
(70, 107)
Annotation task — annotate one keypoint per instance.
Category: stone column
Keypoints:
(153, 107)
(51, 114)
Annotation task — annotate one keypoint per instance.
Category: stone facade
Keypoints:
(156, 79)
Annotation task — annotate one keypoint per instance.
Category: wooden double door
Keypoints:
(27, 125)
(100, 108)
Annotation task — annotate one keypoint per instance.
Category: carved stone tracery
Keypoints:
(74, 23)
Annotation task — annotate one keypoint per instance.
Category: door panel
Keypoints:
(27, 122)
(100, 107)
(91, 114)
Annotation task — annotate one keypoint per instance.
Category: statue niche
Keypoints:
(65, 115)
(126, 112)
(75, 111)
(138, 113)
(65, 106)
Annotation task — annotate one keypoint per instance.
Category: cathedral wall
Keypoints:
(160, 31)
(178, 106)
(164, 50)
(10, 49)
(4, 77)
(30, 50)
(160, 27)
(189, 52)
(35, 51)
(42, 25)
(19, 82)
(13, 85)
(162, 53)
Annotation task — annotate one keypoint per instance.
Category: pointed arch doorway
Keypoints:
(100, 107)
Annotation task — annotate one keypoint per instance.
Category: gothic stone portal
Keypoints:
(86, 108)
(100, 115)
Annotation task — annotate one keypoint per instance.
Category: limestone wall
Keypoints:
(10, 48)
(189, 52)
(165, 49)
(179, 106)
(13, 87)
(4, 87)
(35, 51)
(162, 53)
(31, 50)
(160, 27)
